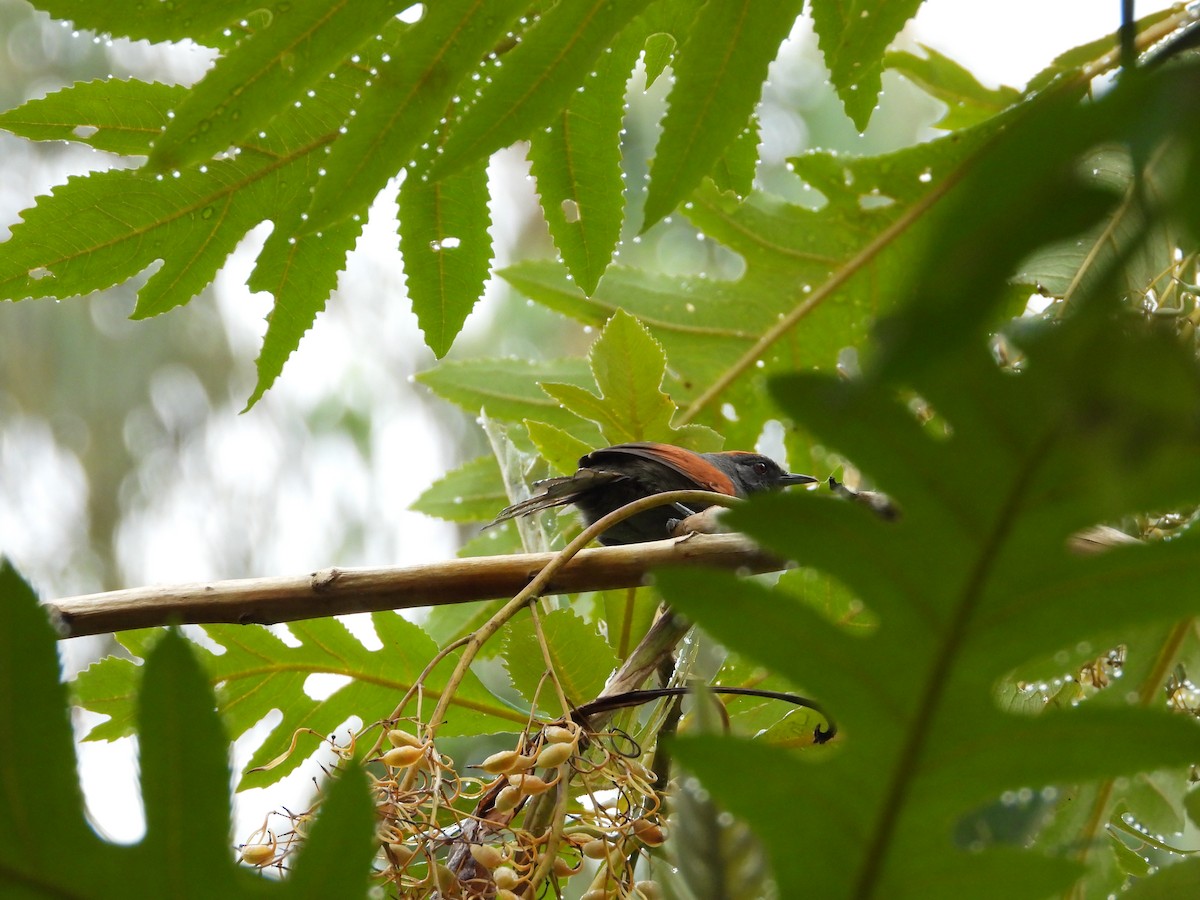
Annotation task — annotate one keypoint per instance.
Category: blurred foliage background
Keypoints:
(123, 459)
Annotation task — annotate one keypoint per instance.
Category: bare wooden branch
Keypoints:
(330, 592)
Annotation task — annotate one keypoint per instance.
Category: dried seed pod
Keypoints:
(505, 894)
(506, 878)
(648, 890)
(564, 869)
(399, 738)
(258, 854)
(530, 785)
(557, 734)
(508, 798)
(486, 855)
(402, 854)
(402, 757)
(523, 763)
(648, 832)
(554, 755)
(501, 763)
(596, 848)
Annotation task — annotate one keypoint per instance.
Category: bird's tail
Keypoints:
(555, 492)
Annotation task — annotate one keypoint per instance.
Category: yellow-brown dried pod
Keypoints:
(554, 755)
(258, 854)
(398, 738)
(402, 757)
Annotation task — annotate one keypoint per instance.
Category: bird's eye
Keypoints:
(760, 468)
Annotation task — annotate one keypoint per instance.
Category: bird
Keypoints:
(612, 477)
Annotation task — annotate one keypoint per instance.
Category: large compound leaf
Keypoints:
(708, 326)
(975, 578)
(184, 773)
(96, 231)
(258, 673)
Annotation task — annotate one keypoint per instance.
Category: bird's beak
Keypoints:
(797, 479)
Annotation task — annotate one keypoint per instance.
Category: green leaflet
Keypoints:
(183, 762)
(274, 64)
(258, 673)
(447, 250)
(577, 163)
(117, 115)
(719, 72)
(968, 102)
(853, 35)
(629, 366)
(473, 492)
(529, 83)
(410, 92)
(168, 21)
(581, 659)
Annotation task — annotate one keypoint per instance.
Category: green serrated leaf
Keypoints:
(300, 272)
(507, 387)
(853, 36)
(116, 115)
(1030, 465)
(967, 101)
(577, 164)
(474, 492)
(184, 768)
(97, 231)
(719, 72)
(718, 857)
(411, 91)
(1170, 883)
(336, 860)
(581, 659)
(534, 79)
(40, 800)
(558, 447)
(300, 42)
(258, 673)
(184, 774)
(628, 365)
(203, 23)
(735, 170)
(447, 250)
(659, 51)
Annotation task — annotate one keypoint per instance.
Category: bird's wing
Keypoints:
(692, 466)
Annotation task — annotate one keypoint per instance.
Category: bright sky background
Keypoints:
(1001, 41)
